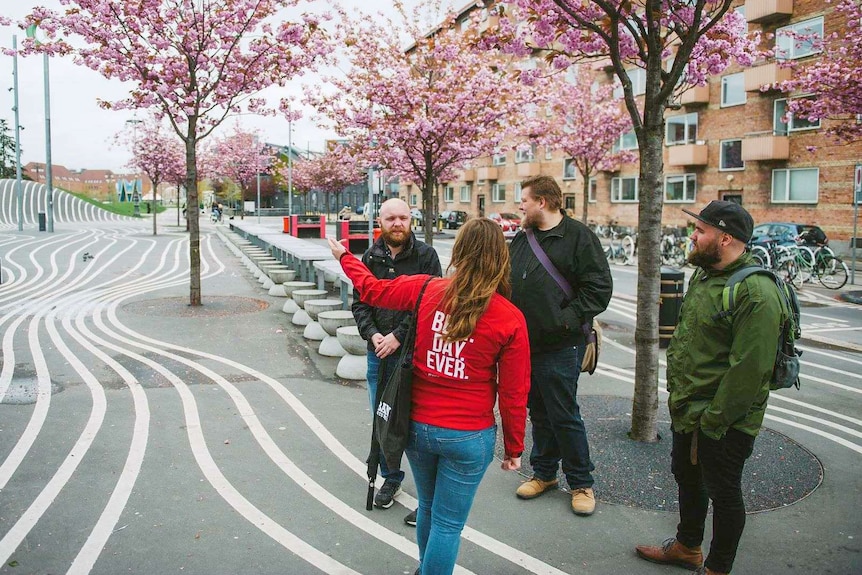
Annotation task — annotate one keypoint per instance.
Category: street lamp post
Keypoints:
(19, 191)
(289, 167)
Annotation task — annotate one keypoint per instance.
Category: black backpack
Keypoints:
(785, 372)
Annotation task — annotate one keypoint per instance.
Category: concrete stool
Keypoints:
(289, 287)
(280, 276)
(301, 296)
(354, 365)
(313, 307)
(330, 321)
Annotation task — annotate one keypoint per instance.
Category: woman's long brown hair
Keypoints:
(480, 258)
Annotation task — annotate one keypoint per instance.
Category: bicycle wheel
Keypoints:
(761, 256)
(832, 272)
(789, 272)
(628, 248)
(806, 255)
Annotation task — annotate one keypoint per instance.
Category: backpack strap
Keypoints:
(728, 294)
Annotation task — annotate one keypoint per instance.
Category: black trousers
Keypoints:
(717, 477)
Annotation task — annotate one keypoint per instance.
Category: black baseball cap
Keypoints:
(729, 217)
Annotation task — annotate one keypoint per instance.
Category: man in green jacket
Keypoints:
(718, 372)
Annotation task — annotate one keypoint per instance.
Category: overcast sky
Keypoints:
(82, 133)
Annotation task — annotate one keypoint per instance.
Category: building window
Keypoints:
(681, 129)
(731, 155)
(570, 170)
(784, 122)
(682, 188)
(733, 90)
(549, 152)
(594, 186)
(465, 194)
(525, 155)
(517, 192)
(499, 160)
(498, 192)
(741, 11)
(449, 194)
(637, 76)
(799, 185)
(624, 189)
(414, 200)
(627, 141)
(799, 40)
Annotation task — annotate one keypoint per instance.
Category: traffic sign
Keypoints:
(857, 185)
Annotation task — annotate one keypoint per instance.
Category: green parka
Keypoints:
(718, 368)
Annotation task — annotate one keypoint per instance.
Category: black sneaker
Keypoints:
(387, 494)
(411, 519)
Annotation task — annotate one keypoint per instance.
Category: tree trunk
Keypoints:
(586, 196)
(155, 187)
(428, 184)
(645, 402)
(193, 214)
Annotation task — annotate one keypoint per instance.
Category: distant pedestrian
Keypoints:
(471, 353)
(718, 372)
(556, 337)
(396, 252)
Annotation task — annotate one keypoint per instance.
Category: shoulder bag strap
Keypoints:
(548, 264)
(407, 344)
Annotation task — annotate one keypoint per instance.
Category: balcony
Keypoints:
(528, 169)
(687, 154)
(765, 147)
(469, 175)
(759, 76)
(766, 11)
(486, 173)
(695, 95)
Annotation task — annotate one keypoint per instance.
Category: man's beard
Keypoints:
(528, 221)
(705, 255)
(395, 238)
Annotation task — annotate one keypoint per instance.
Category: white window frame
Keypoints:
(570, 170)
(449, 194)
(790, 124)
(517, 192)
(414, 199)
(788, 184)
(786, 46)
(721, 167)
(498, 193)
(740, 84)
(498, 159)
(616, 190)
(637, 76)
(527, 155)
(593, 190)
(549, 152)
(688, 180)
(690, 137)
(620, 143)
(465, 194)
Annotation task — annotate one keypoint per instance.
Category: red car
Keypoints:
(510, 223)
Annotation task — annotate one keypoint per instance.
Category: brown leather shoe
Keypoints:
(704, 570)
(583, 501)
(672, 552)
(534, 488)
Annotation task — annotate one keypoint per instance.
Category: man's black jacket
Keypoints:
(553, 322)
(416, 258)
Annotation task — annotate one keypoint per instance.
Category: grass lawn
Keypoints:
(122, 208)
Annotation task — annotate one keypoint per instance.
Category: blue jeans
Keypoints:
(558, 430)
(447, 466)
(372, 374)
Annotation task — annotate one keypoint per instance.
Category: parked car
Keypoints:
(452, 219)
(782, 232)
(417, 216)
(510, 223)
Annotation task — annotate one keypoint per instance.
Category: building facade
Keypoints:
(728, 140)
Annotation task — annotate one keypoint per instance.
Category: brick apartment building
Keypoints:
(727, 140)
(96, 184)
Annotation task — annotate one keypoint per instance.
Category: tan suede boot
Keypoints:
(583, 501)
(672, 552)
(534, 488)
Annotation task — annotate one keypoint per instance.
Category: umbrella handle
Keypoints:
(370, 498)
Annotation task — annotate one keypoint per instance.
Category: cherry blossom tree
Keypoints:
(329, 173)
(585, 122)
(834, 78)
(194, 61)
(240, 155)
(670, 45)
(423, 112)
(151, 147)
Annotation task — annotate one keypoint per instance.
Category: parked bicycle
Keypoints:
(673, 250)
(621, 250)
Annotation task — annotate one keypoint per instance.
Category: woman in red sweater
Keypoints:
(471, 350)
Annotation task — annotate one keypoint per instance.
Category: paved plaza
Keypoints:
(140, 435)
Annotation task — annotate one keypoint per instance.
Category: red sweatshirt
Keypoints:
(455, 385)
